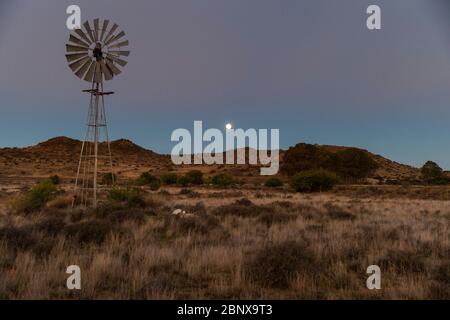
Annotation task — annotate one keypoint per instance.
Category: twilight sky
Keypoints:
(308, 67)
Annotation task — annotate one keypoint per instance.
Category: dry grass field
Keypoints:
(233, 244)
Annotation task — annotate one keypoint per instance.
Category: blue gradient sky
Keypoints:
(307, 67)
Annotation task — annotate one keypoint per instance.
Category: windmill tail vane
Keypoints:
(95, 54)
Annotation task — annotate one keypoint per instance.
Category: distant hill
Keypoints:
(60, 156)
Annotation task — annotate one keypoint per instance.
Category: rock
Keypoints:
(177, 212)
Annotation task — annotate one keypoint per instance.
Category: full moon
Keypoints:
(228, 126)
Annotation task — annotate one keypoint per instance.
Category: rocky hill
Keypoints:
(60, 156)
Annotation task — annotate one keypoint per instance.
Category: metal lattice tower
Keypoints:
(94, 56)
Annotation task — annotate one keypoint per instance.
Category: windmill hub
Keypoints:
(95, 55)
(97, 52)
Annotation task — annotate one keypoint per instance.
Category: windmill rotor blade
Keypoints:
(114, 27)
(107, 72)
(115, 38)
(96, 29)
(77, 41)
(83, 36)
(75, 65)
(75, 56)
(119, 61)
(81, 72)
(71, 48)
(120, 53)
(90, 73)
(84, 60)
(105, 26)
(112, 67)
(89, 30)
(121, 44)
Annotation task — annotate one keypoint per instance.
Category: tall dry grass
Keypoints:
(280, 247)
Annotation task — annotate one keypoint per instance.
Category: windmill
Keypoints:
(94, 55)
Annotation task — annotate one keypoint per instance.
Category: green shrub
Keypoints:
(273, 182)
(302, 157)
(109, 178)
(132, 196)
(222, 180)
(148, 179)
(169, 178)
(155, 185)
(195, 177)
(314, 180)
(354, 163)
(433, 174)
(350, 163)
(35, 198)
(183, 181)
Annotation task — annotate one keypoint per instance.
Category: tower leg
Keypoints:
(105, 125)
(87, 182)
(95, 149)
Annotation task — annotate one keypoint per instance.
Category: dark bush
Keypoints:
(347, 163)
(109, 179)
(270, 218)
(354, 163)
(50, 226)
(155, 185)
(17, 238)
(199, 225)
(55, 179)
(22, 238)
(148, 179)
(442, 274)
(403, 262)
(273, 182)
(314, 180)
(303, 157)
(132, 196)
(235, 210)
(169, 178)
(244, 202)
(120, 216)
(222, 180)
(274, 266)
(433, 174)
(184, 226)
(242, 208)
(43, 247)
(92, 231)
(183, 181)
(195, 177)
